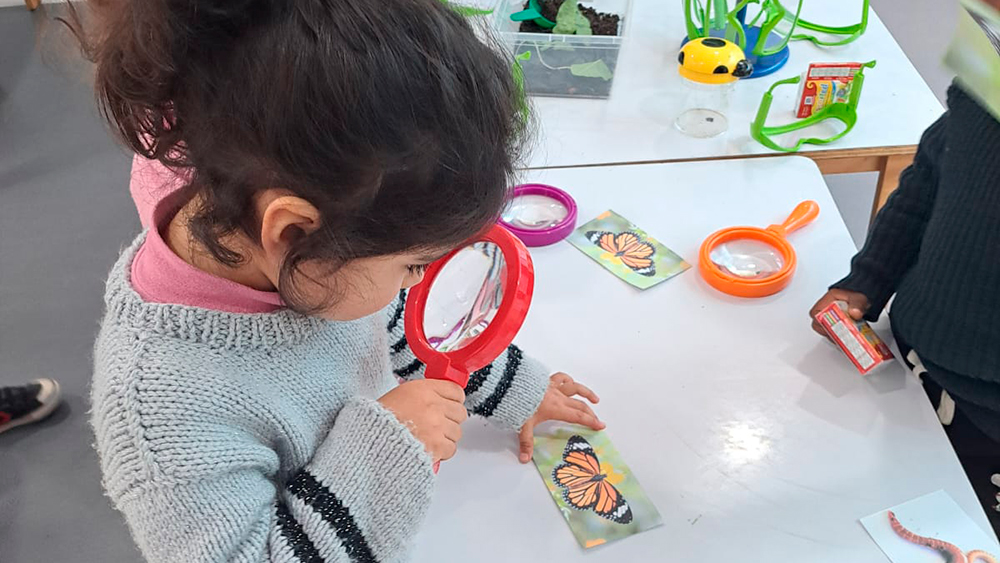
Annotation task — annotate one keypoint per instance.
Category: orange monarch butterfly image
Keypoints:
(629, 248)
(585, 486)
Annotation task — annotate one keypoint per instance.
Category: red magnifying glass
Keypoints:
(470, 305)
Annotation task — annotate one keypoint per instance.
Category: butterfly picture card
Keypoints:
(627, 251)
(593, 488)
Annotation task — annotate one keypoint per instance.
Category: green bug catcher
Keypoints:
(845, 112)
(766, 36)
(847, 33)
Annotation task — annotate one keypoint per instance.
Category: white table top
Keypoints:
(636, 123)
(755, 438)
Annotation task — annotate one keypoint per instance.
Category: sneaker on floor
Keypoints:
(24, 404)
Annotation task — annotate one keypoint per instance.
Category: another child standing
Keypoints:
(936, 247)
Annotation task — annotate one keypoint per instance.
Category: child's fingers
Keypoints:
(581, 390)
(586, 408)
(580, 406)
(827, 298)
(857, 305)
(583, 417)
(447, 389)
(818, 328)
(526, 439)
(560, 379)
(453, 432)
(455, 412)
(445, 451)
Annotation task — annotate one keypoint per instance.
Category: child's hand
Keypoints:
(559, 404)
(857, 306)
(433, 410)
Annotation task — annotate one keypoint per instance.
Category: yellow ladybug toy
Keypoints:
(712, 60)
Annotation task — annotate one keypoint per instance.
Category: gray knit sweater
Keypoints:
(230, 437)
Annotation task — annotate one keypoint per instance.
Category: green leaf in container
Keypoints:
(593, 69)
(467, 11)
(571, 21)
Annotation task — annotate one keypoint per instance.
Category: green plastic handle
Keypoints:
(533, 13)
(525, 15)
(845, 112)
(775, 13)
(698, 20)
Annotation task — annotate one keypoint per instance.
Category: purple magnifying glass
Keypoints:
(539, 214)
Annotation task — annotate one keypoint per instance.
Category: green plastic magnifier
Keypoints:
(845, 112)
(534, 13)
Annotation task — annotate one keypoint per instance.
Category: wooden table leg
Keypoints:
(888, 178)
(32, 4)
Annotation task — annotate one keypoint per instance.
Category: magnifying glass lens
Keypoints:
(748, 259)
(465, 297)
(534, 212)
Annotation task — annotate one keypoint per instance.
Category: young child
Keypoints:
(307, 159)
(936, 246)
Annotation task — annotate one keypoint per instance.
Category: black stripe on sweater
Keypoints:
(491, 403)
(398, 313)
(398, 346)
(295, 536)
(477, 379)
(327, 505)
(409, 369)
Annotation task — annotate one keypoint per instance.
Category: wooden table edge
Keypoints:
(889, 162)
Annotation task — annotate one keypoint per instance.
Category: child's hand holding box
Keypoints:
(856, 338)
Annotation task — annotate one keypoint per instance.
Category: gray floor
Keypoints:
(65, 212)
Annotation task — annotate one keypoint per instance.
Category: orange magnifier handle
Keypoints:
(803, 214)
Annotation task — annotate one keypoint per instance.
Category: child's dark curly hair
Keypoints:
(391, 117)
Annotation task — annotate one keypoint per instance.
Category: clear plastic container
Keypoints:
(576, 66)
(705, 108)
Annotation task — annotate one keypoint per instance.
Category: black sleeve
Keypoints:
(894, 241)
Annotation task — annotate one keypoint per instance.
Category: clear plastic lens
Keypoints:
(534, 212)
(465, 297)
(748, 259)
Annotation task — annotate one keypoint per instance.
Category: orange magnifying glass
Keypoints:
(753, 262)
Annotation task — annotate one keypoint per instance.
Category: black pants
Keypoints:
(979, 454)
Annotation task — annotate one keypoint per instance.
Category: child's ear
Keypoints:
(284, 218)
